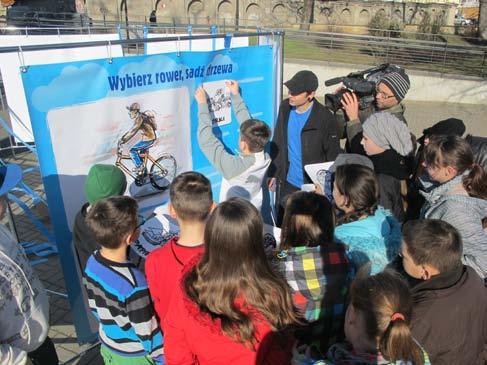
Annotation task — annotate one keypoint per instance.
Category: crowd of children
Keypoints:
(346, 285)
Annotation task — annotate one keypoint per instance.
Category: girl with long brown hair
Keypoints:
(371, 233)
(458, 195)
(232, 307)
(377, 324)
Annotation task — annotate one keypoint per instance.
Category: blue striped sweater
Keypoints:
(119, 298)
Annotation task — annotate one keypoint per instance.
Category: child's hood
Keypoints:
(381, 225)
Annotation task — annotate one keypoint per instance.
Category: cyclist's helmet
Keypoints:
(134, 107)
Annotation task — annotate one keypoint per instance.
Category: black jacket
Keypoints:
(319, 140)
(391, 168)
(84, 241)
(479, 149)
(450, 317)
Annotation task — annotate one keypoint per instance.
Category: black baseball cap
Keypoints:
(301, 82)
(449, 127)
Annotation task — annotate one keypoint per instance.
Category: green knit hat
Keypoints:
(104, 181)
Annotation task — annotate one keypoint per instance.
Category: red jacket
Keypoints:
(191, 337)
(163, 270)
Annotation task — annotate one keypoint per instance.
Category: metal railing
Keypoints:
(441, 53)
(433, 56)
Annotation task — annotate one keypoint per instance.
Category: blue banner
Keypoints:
(82, 112)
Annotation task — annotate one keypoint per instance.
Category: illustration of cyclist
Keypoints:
(219, 101)
(144, 123)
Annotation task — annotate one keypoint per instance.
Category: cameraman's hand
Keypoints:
(339, 88)
(350, 105)
(233, 86)
(200, 95)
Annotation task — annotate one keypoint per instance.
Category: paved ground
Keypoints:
(419, 116)
(422, 115)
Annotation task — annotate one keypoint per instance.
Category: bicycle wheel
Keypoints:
(163, 171)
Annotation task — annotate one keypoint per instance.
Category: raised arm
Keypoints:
(227, 164)
(239, 107)
(133, 131)
(354, 129)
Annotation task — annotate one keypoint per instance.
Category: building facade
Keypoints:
(268, 12)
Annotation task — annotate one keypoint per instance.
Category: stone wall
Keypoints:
(360, 13)
(266, 12)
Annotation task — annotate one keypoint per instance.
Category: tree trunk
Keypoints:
(483, 19)
(307, 17)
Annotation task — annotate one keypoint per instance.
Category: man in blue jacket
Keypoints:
(305, 133)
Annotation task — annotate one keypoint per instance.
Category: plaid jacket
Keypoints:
(320, 279)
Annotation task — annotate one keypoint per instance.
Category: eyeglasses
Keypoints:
(382, 94)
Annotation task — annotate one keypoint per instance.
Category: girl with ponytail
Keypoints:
(458, 195)
(377, 324)
(370, 232)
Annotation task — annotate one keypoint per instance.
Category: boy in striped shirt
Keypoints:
(117, 291)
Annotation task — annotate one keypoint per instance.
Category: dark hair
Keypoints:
(233, 266)
(256, 134)
(191, 196)
(378, 297)
(308, 221)
(112, 219)
(433, 242)
(360, 187)
(456, 152)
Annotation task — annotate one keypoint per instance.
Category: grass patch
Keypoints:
(355, 53)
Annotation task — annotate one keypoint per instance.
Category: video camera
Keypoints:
(362, 83)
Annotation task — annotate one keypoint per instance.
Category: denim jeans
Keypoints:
(136, 149)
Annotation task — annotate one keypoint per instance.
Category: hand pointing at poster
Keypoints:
(200, 95)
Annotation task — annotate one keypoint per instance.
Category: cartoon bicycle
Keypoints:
(144, 128)
(162, 170)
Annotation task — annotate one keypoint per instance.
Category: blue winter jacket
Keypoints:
(375, 239)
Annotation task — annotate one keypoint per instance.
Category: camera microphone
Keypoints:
(333, 81)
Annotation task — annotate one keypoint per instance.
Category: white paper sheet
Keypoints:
(316, 171)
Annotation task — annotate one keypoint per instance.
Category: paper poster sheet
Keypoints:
(219, 102)
(317, 171)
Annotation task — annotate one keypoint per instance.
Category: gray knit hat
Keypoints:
(387, 131)
(398, 82)
(351, 159)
